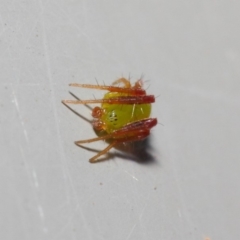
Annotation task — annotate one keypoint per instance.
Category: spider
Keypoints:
(124, 115)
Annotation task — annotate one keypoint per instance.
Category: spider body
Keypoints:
(123, 115)
(112, 117)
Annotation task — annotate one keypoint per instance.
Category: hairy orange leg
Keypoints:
(126, 134)
(118, 100)
(131, 129)
(124, 81)
(95, 158)
(146, 123)
(133, 138)
(126, 89)
(140, 127)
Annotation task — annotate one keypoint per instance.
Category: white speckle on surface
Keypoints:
(131, 175)
(35, 179)
(15, 101)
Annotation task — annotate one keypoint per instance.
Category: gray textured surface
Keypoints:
(190, 52)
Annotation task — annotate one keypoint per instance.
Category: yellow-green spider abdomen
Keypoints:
(115, 116)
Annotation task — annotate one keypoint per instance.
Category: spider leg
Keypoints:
(114, 143)
(129, 132)
(118, 137)
(118, 100)
(127, 135)
(105, 150)
(118, 141)
(139, 135)
(78, 114)
(133, 91)
(124, 81)
(146, 123)
(93, 139)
